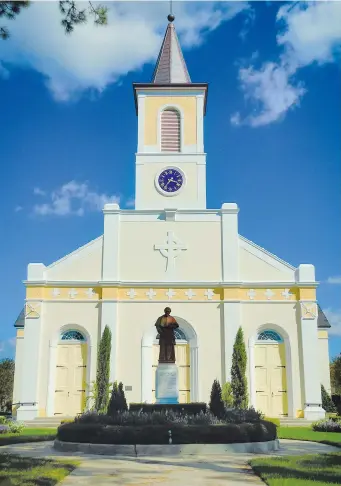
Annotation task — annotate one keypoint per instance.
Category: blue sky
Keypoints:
(272, 130)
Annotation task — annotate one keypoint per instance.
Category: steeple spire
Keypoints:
(170, 66)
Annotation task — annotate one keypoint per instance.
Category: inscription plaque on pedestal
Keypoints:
(167, 383)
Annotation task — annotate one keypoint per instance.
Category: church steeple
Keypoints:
(170, 66)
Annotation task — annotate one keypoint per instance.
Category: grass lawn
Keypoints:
(306, 433)
(28, 435)
(307, 470)
(17, 470)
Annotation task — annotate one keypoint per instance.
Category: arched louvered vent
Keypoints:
(170, 131)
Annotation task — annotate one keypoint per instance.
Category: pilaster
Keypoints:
(230, 242)
(110, 264)
(232, 322)
(307, 314)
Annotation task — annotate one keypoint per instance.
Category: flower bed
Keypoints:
(187, 408)
(97, 433)
(329, 425)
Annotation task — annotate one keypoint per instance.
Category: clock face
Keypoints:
(170, 180)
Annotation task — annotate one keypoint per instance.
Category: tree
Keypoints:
(72, 15)
(6, 383)
(118, 402)
(103, 370)
(216, 403)
(226, 394)
(327, 402)
(238, 378)
(335, 375)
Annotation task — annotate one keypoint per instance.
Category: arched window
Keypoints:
(271, 336)
(170, 130)
(178, 333)
(72, 335)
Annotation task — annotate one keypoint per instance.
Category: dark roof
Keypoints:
(322, 321)
(20, 322)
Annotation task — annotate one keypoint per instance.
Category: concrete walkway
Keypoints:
(230, 469)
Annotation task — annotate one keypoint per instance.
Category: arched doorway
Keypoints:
(182, 360)
(270, 374)
(71, 373)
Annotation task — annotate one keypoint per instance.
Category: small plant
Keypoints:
(15, 427)
(3, 420)
(327, 402)
(216, 403)
(4, 429)
(103, 370)
(226, 394)
(330, 425)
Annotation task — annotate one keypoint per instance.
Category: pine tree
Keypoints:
(216, 403)
(327, 402)
(118, 402)
(226, 394)
(238, 378)
(123, 401)
(103, 370)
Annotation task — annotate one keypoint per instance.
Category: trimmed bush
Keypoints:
(67, 421)
(327, 402)
(15, 427)
(118, 402)
(216, 403)
(4, 429)
(330, 425)
(238, 370)
(180, 408)
(239, 415)
(158, 434)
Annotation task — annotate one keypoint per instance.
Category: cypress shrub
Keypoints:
(238, 378)
(327, 402)
(216, 403)
(103, 370)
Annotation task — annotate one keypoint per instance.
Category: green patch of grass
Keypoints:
(17, 470)
(28, 435)
(47, 431)
(307, 470)
(306, 433)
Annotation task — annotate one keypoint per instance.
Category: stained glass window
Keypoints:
(178, 333)
(72, 335)
(270, 336)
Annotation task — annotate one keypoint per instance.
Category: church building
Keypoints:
(171, 250)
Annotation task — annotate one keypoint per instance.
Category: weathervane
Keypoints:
(171, 17)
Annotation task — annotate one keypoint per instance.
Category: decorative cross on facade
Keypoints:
(190, 293)
(286, 293)
(269, 293)
(72, 293)
(251, 294)
(209, 294)
(150, 294)
(170, 293)
(90, 293)
(131, 293)
(32, 310)
(170, 250)
(55, 292)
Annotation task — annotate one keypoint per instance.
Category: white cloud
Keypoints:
(17, 209)
(93, 57)
(334, 280)
(310, 32)
(130, 203)
(73, 198)
(334, 318)
(39, 192)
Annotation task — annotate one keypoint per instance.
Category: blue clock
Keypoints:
(170, 180)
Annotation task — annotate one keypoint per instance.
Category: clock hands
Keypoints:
(169, 180)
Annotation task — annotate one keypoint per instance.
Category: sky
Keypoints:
(68, 132)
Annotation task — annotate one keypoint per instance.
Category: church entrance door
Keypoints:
(270, 379)
(70, 379)
(182, 360)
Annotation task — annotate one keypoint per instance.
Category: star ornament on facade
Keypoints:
(190, 294)
(55, 292)
(251, 294)
(269, 293)
(209, 293)
(150, 294)
(170, 293)
(286, 294)
(90, 293)
(73, 293)
(131, 293)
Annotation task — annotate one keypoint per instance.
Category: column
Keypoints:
(146, 373)
(230, 274)
(140, 122)
(194, 374)
(308, 312)
(200, 123)
(31, 361)
(51, 387)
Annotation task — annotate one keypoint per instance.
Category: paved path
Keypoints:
(217, 470)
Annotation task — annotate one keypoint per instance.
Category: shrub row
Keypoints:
(333, 424)
(20, 439)
(159, 434)
(181, 408)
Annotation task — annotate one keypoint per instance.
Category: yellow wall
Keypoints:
(188, 105)
(307, 294)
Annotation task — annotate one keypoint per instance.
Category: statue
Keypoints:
(165, 325)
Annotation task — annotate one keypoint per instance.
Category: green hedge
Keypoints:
(158, 434)
(20, 439)
(274, 420)
(186, 408)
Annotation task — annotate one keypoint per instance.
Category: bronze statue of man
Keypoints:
(165, 325)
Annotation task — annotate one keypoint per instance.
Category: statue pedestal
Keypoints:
(167, 383)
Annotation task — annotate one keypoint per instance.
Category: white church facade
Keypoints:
(171, 250)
